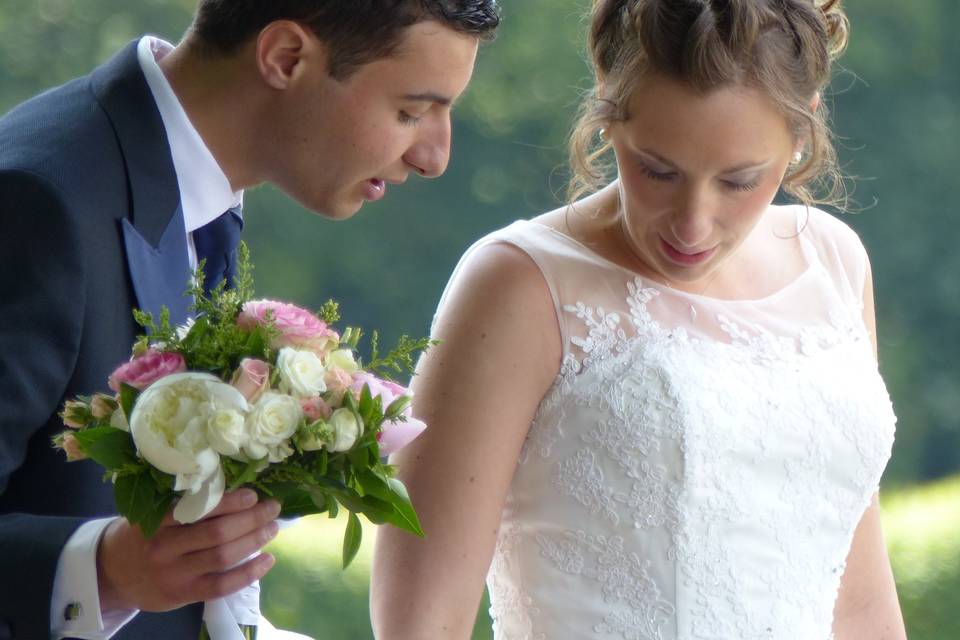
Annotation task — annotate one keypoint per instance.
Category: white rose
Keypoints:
(301, 372)
(342, 359)
(346, 429)
(226, 431)
(274, 419)
(168, 425)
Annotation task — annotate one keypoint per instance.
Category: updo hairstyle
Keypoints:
(783, 48)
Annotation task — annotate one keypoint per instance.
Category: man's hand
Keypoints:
(182, 564)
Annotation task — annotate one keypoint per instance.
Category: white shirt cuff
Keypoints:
(75, 605)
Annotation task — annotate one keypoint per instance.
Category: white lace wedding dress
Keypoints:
(699, 466)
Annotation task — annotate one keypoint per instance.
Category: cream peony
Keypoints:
(169, 426)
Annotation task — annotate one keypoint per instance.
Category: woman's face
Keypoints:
(697, 172)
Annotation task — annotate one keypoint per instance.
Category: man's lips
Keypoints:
(375, 189)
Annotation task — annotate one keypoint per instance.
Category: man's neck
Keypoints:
(217, 97)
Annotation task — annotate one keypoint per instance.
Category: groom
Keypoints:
(112, 187)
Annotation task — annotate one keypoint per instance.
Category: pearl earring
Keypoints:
(797, 157)
(602, 133)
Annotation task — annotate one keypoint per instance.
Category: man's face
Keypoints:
(338, 143)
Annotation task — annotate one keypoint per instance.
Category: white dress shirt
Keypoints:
(205, 193)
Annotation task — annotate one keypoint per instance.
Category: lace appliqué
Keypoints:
(623, 580)
(677, 457)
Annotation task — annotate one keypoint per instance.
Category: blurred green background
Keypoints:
(896, 106)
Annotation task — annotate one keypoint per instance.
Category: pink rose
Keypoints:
(395, 434)
(316, 409)
(71, 447)
(146, 369)
(251, 378)
(102, 406)
(75, 414)
(337, 381)
(298, 327)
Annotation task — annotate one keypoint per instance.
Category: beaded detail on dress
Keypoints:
(692, 475)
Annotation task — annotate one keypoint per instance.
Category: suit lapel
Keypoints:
(153, 230)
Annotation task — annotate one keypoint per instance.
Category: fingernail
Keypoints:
(273, 530)
(248, 497)
(275, 508)
(268, 561)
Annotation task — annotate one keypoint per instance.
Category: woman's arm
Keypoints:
(867, 607)
(477, 391)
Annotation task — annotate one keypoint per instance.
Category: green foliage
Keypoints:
(111, 448)
(400, 358)
(214, 342)
(921, 525)
(141, 501)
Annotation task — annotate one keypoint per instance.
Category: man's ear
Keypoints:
(284, 48)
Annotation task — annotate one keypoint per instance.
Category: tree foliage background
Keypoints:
(895, 105)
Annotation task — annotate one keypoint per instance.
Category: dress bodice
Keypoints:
(699, 466)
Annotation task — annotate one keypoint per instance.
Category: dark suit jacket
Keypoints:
(90, 226)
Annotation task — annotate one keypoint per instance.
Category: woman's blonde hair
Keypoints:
(784, 48)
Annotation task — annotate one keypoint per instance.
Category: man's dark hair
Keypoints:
(356, 31)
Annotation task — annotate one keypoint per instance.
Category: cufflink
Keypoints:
(72, 611)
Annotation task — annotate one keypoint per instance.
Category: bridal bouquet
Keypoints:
(252, 393)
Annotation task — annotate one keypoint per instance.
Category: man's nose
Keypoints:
(430, 153)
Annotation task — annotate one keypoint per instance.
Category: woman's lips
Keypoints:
(685, 259)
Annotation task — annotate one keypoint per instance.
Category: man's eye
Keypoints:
(408, 120)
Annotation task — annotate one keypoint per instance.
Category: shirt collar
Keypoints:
(205, 192)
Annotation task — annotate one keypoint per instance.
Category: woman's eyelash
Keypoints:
(656, 175)
(747, 186)
(667, 176)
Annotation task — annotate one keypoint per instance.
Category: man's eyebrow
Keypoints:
(429, 97)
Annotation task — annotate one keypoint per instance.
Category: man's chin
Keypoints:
(335, 210)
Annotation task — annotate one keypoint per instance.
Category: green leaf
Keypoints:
(109, 447)
(139, 501)
(128, 396)
(404, 508)
(392, 492)
(295, 501)
(352, 537)
(151, 522)
(257, 343)
(332, 507)
(366, 403)
(349, 402)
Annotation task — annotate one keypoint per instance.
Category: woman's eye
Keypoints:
(742, 186)
(661, 176)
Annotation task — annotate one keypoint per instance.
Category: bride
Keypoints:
(656, 413)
